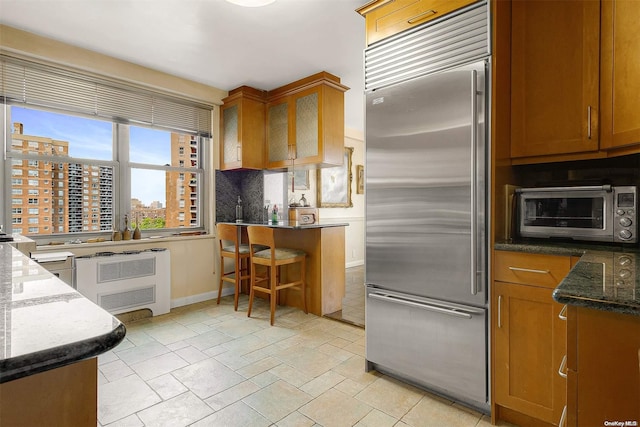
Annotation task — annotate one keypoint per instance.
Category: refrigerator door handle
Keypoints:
(474, 182)
(452, 311)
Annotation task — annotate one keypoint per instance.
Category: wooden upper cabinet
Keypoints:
(242, 129)
(385, 18)
(305, 123)
(620, 71)
(554, 77)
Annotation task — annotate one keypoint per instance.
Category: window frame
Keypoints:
(121, 203)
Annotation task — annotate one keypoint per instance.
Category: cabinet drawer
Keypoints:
(398, 15)
(530, 269)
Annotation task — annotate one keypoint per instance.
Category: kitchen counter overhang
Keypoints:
(605, 278)
(45, 323)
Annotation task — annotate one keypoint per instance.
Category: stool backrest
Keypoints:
(259, 235)
(228, 233)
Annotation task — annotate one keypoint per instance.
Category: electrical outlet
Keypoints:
(353, 253)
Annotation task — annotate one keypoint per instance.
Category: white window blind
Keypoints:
(24, 82)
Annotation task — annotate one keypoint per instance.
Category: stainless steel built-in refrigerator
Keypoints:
(426, 206)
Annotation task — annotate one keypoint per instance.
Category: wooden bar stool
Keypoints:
(273, 258)
(230, 247)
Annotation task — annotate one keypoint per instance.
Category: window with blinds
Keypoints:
(98, 156)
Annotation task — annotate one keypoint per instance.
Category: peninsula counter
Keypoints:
(325, 247)
(50, 336)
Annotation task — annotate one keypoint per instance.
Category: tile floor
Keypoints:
(353, 302)
(206, 365)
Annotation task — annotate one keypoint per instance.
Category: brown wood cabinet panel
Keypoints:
(65, 396)
(619, 82)
(242, 129)
(312, 131)
(531, 269)
(385, 18)
(607, 370)
(530, 342)
(554, 77)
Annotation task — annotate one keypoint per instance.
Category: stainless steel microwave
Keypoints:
(596, 213)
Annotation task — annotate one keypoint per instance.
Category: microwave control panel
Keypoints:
(625, 219)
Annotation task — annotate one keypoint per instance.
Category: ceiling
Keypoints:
(212, 41)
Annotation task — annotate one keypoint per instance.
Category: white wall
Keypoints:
(354, 233)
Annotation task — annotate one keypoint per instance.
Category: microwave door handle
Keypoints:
(608, 188)
(474, 183)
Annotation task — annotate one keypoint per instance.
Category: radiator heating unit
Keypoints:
(121, 282)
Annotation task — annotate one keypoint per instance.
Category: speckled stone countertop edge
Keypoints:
(573, 289)
(289, 225)
(57, 357)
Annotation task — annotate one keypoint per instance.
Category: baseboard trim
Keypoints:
(355, 263)
(192, 299)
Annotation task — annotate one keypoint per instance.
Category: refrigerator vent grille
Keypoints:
(453, 40)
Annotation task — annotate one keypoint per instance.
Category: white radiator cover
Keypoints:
(126, 282)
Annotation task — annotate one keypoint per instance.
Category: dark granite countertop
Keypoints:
(292, 225)
(606, 277)
(44, 323)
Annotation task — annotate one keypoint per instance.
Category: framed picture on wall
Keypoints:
(300, 179)
(334, 184)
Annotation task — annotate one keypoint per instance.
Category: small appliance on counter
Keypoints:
(599, 213)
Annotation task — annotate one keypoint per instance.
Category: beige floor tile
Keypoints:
(190, 318)
(435, 412)
(295, 419)
(320, 384)
(200, 328)
(291, 375)
(263, 352)
(130, 421)
(207, 377)
(101, 379)
(390, 396)
(107, 357)
(177, 345)
(264, 379)
(377, 418)
(182, 410)
(335, 351)
(246, 344)
(353, 368)
(237, 328)
(191, 354)
(237, 415)
(167, 386)
(350, 387)
(258, 367)
(115, 370)
(171, 332)
(159, 365)
(232, 395)
(335, 409)
(207, 340)
(231, 359)
(138, 354)
(124, 397)
(307, 360)
(277, 400)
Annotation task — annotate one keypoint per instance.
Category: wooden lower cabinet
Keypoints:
(65, 396)
(604, 368)
(528, 338)
(530, 342)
